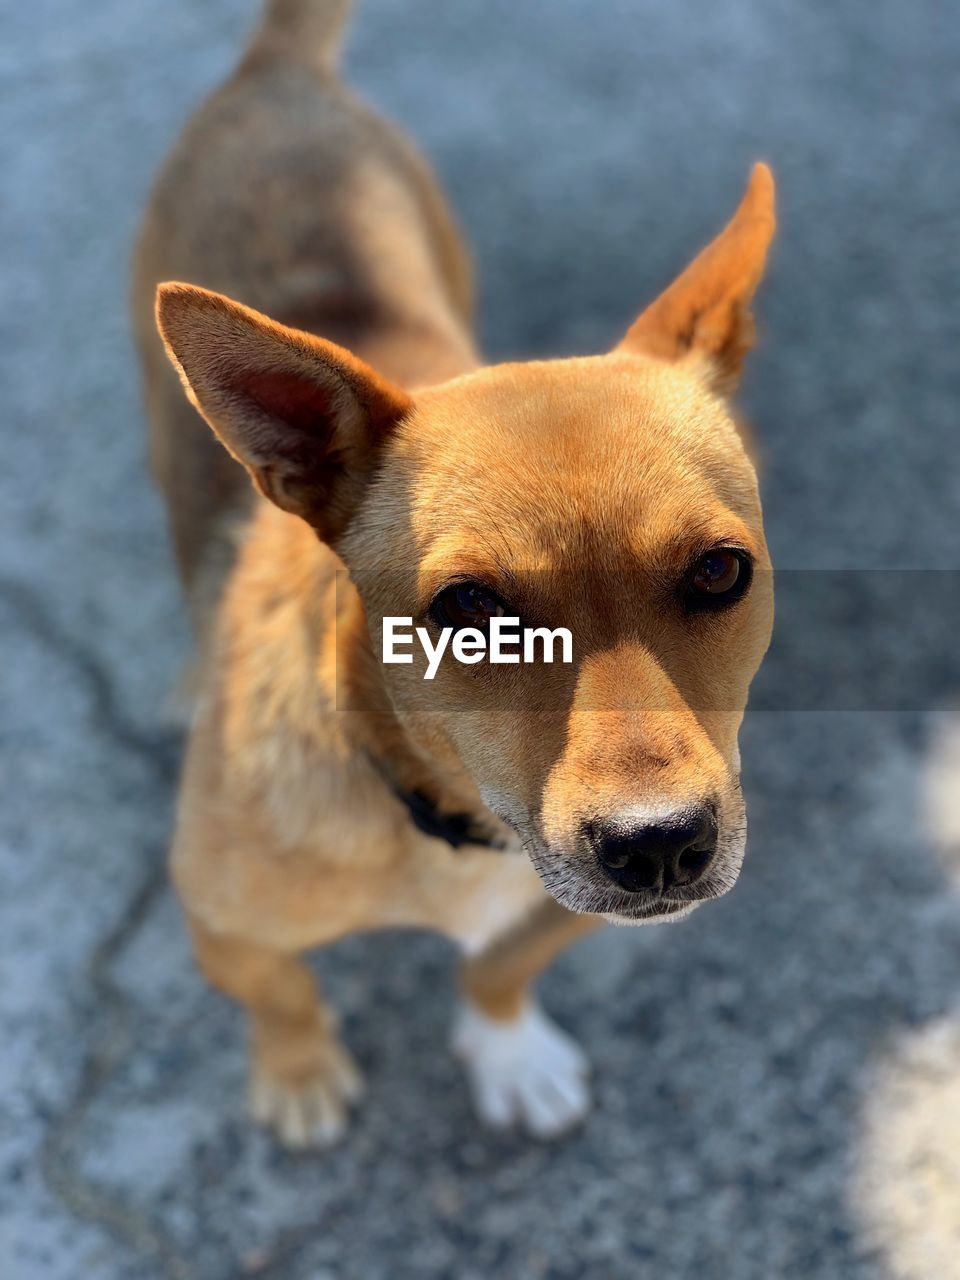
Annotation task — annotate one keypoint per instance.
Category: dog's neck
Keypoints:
(334, 648)
(415, 349)
(307, 671)
(419, 351)
(423, 771)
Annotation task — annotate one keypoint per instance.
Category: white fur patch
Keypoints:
(527, 1072)
(505, 894)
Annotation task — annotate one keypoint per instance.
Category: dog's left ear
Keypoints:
(306, 418)
(706, 310)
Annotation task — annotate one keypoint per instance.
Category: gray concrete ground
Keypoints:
(777, 1079)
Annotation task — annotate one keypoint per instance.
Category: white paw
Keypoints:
(312, 1113)
(527, 1072)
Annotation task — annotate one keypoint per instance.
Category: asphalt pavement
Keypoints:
(778, 1078)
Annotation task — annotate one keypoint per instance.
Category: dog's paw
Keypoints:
(310, 1112)
(527, 1072)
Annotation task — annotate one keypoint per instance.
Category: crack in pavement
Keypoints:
(158, 751)
(111, 1038)
(109, 1044)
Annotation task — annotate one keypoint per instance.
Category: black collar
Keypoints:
(456, 828)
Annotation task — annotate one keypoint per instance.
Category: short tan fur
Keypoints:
(325, 336)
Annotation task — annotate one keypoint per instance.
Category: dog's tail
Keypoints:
(305, 31)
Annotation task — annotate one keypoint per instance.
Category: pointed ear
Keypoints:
(707, 309)
(305, 417)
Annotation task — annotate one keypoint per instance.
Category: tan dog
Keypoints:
(325, 792)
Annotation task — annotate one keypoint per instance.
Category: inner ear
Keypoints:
(284, 395)
(305, 417)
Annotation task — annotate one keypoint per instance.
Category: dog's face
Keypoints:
(608, 495)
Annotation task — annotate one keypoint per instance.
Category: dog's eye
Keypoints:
(467, 604)
(719, 577)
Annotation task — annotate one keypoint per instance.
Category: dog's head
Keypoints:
(608, 495)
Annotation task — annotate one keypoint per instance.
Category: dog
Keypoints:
(394, 475)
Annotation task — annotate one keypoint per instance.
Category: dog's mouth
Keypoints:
(619, 907)
(577, 883)
(573, 876)
(652, 913)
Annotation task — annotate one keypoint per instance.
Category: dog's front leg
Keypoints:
(522, 1068)
(302, 1080)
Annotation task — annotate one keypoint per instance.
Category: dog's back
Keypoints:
(287, 193)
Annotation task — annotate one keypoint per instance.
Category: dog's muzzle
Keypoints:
(631, 868)
(655, 857)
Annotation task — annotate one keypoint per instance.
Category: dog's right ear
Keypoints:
(706, 312)
(305, 417)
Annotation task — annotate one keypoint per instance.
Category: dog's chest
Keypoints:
(506, 896)
(472, 895)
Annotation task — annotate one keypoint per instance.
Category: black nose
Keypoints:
(674, 850)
